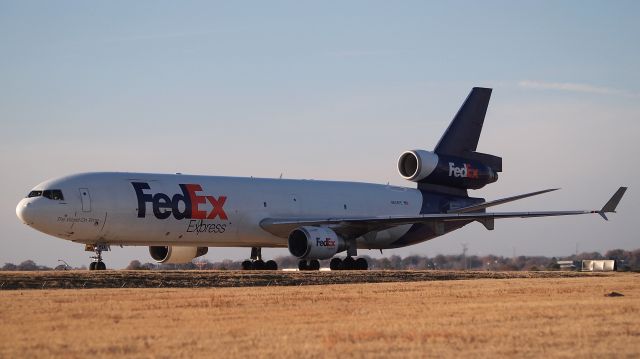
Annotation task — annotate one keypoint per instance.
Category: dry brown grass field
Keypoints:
(538, 317)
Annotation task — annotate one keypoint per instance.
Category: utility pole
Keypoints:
(464, 255)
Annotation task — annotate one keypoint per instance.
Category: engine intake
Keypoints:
(176, 254)
(417, 165)
(315, 243)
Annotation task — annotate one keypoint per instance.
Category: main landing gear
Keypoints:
(349, 263)
(256, 262)
(312, 264)
(97, 263)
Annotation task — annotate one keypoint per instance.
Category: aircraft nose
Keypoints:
(25, 212)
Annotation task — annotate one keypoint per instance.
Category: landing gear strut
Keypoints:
(97, 263)
(256, 262)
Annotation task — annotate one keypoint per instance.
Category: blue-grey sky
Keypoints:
(325, 90)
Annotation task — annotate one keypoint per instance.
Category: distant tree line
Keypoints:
(444, 262)
(30, 265)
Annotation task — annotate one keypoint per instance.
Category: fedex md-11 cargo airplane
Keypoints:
(179, 216)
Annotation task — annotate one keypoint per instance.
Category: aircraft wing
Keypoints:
(353, 227)
(480, 206)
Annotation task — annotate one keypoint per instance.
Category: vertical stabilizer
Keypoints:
(463, 132)
(461, 137)
(454, 166)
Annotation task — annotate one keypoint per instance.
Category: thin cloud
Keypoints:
(576, 87)
(356, 53)
(161, 36)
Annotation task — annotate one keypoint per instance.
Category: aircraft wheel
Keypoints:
(302, 265)
(246, 265)
(361, 264)
(258, 264)
(92, 266)
(101, 266)
(271, 265)
(335, 264)
(314, 264)
(348, 263)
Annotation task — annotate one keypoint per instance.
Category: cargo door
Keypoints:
(85, 197)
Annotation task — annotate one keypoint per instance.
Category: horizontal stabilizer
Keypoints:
(492, 161)
(477, 207)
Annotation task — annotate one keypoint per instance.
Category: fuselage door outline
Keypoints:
(85, 197)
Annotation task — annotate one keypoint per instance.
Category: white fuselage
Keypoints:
(224, 211)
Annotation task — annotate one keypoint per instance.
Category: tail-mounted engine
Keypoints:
(315, 243)
(175, 254)
(428, 167)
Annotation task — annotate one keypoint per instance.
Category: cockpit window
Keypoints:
(54, 194)
(34, 194)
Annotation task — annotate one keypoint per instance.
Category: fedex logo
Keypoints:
(466, 171)
(328, 242)
(164, 206)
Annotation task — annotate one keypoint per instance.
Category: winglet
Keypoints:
(610, 206)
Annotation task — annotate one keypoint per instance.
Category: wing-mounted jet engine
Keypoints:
(310, 244)
(176, 254)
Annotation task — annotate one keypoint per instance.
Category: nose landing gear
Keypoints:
(97, 263)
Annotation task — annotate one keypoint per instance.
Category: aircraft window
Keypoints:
(34, 194)
(54, 194)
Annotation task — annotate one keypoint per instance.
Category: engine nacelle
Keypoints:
(315, 243)
(176, 254)
(428, 167)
